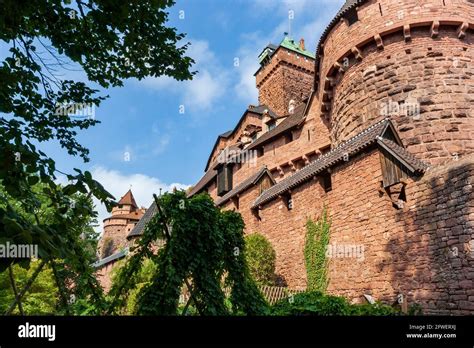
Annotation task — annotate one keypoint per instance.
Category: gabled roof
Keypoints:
(412, 163)
(370, 136)
(128, 199)
(140, 226)
(244, 185)
(288, 123)
(260, 109)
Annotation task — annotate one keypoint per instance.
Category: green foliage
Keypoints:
(70, 255)
(316, 303)
(124, 40)
(204, 249)
(143, 278)
(42, 297)
(260, 257)
(316, 242)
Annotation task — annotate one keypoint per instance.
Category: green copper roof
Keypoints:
(291, 45)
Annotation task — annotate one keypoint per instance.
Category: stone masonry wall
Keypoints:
(408, 251)
(288, 76)
(409, 59)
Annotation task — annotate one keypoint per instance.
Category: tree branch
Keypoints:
(26, 288)
(15, 291)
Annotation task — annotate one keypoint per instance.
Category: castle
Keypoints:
(377, 126)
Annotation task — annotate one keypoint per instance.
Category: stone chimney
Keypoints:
(302, 44)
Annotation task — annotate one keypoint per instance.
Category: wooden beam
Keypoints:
(435, 29)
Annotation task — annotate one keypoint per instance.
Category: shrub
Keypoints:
(260, 257)
(315, 303)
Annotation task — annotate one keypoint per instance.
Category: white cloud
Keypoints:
(207, 86)
(118, 184)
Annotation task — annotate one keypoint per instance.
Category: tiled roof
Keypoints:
(366, 138)
(288, 123)
(128, 199)
(260, 109)
(244, 185)
(140, 226)
(405, 157)
(203, 182)
(121, 254)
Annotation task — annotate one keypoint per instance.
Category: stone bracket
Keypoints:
(407, 32)
(378, 41)
(435, 29)
(357, 53)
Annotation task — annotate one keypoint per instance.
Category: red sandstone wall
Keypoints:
(404, 251)
(437, 72)
(288, 76)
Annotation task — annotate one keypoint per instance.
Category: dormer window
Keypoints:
(271, 125)
(224, 179)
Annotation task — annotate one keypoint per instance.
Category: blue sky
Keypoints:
(142, 118)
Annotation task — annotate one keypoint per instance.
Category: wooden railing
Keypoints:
(272, 294)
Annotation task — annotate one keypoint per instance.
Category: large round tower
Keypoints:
(409, 60)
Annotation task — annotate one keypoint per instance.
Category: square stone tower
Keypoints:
(286, 75)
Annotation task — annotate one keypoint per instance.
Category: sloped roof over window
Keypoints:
(403, 156)
(244, 185)
(119, 255)
(140, 226)
(351, 147)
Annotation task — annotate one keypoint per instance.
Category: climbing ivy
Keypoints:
(316, 242)
(204, 251)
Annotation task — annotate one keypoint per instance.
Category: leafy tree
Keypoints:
(111, 41)
(204, 251)
(260, 257)
(144, 278)
(42, 297)
(316, 242)
(72, 276)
